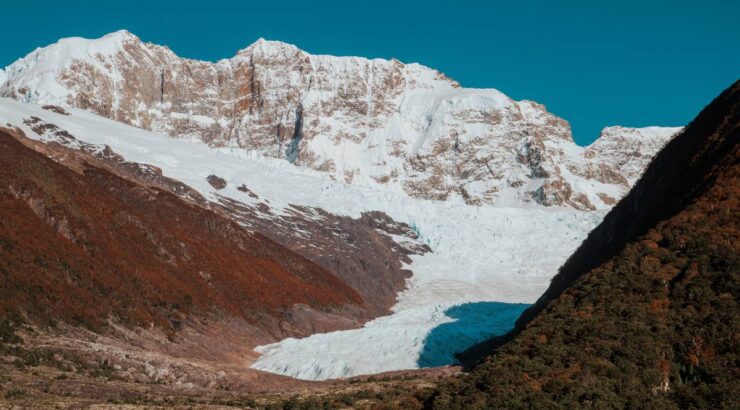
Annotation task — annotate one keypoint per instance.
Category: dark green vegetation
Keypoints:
(645, 314)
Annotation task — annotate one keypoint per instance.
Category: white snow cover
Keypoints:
(33, 70)
(644, 142)
(482, 253)
(368, 121)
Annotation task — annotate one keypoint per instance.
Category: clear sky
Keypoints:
(594, 63)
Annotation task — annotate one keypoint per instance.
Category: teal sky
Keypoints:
(632, 63)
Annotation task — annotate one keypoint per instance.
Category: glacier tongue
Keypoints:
(479, 253)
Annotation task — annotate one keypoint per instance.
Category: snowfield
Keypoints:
(479, 254)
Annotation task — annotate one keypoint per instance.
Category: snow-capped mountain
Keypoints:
(379, 122)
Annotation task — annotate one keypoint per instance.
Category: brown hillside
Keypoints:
(83, 247)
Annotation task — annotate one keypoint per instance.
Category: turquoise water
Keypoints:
(473, 323)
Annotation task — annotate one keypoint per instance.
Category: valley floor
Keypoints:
(50, 388)
(73, 371)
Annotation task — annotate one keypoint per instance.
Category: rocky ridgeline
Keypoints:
(370, 121)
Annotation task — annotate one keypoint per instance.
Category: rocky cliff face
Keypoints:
(371, 121)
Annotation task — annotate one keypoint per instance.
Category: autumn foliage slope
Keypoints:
(87, 247)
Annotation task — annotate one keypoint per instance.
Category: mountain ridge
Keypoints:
(360, 120)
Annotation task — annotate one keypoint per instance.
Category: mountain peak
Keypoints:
(72, 48)
(639, 133)
(264, 46)
(122, 34)
(78, 46)
(40, 69)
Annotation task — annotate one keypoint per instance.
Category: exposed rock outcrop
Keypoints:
(373, 121)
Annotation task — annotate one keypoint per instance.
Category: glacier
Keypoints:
(479, 255)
